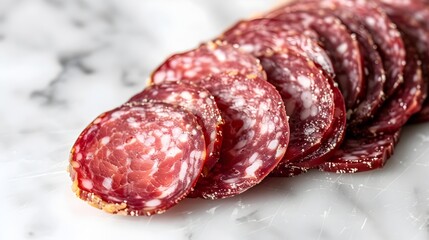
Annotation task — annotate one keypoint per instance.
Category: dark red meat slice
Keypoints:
(208, 59)
(411, 17)
(138, 159)
(332, 140)
(404, 103)
(258, 36)
(256, 134)
(340, 45)
(373, 65)
(362, 154)
(200, 103)
(383, 31)
(308, 97)
(375, 82)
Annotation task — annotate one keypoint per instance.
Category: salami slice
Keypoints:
(258, 36)
(208, 59)
(332, 140)
(411, 18)
(200, 103)
(341, 46)
(404, 103)
(362, 154)
(256, 134)
(138, 159)
(374, 73)
(308, 97)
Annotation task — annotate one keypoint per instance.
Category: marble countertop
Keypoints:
(64, 62)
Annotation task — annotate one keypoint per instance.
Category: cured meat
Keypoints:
(382, 30)
(208, 59)
(340, 45)
(256, 134)
(362, 154)
(411, 18)
(374, 72)
(308, 97)
(200, 103)
(376, 79)
(259, 36)
(332, 140)
(138, 159)
(404, 103)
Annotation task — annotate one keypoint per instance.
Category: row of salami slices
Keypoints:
(315, 84)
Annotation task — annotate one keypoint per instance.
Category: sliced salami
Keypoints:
(374, 73)
(332, 140)
(208, 59)
(258, 36)
(200, 103)
(340, 45)
(138, 159)
(308, 97)
(256, 134)
(411, 18)
(362, 154)
(403, 103)
(383, 31)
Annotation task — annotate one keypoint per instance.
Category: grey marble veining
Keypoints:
(62, 62)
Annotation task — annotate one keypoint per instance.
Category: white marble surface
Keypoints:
(64, 62)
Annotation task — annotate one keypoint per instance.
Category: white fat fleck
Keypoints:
(105, 140)
(273, 144)
(250, 171)
(153, 203)
(203, 94)
(370, 21)
(240, 144)
(280, 152)
(131, 120)
(259, 91)
(117, 115)
(183, 137)
(306, 99)
(87, 184)
(168, 123)
(304, 81)
(314, 111)
(149, 141)
(79, 156)
(220, 55)
(173, 152)
(183, 171)
(107, 183)
(190, 73)
(176, 132)
(264, 128)
(231, 180)
(271, 127)
(77, 149)
(167, 192)
(342, 48)
(253, 157)
(239, 102)
(165, 141)
(140, 138)
(213, 136)
(186, 95)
